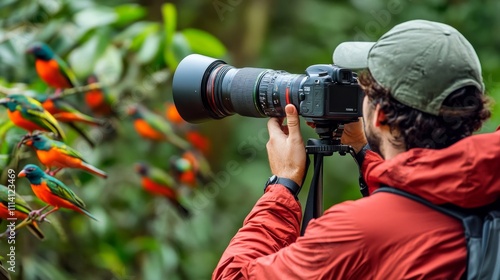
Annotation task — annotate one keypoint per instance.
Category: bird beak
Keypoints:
(21, 174)
(4, 100)
(29, 50)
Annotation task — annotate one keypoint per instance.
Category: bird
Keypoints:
(154, 127)
(51, 68)
(99, 100)
(53, 153)
(66, 113)
(191, 168)
(29, 114)
(53, 192)
(183, 171)
(187, 130)
(157, 182)
(21, 211)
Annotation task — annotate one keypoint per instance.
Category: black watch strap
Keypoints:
(293, 187)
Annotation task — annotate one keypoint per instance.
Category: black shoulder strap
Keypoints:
(449, 210)
(473, 229)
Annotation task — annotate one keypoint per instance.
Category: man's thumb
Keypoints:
(292, 120)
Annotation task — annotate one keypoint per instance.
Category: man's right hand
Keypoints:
(354, 135)
(285, 148)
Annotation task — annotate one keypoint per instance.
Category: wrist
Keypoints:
(289, 184)
(358, 147)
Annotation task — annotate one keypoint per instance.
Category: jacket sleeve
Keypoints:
(268, 245)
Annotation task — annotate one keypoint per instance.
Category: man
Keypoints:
(424, 97)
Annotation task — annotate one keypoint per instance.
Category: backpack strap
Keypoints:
(473, 229)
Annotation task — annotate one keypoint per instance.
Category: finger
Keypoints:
(292, 120)
(274, 127)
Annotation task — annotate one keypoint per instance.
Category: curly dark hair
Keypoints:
(463, 112)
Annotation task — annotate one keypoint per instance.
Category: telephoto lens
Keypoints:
(208, 88)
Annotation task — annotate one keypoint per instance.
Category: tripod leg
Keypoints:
(314, 206)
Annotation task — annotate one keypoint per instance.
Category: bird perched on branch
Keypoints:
(53, 192)
(157, 182)
(187, 130)
(27, 113)
(51, 68)
(52, 153)
(66, 113)
(152, 126)
(191, 168)
(21, 211)
(99, 100)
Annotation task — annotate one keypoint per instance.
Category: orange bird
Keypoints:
(157, 182)
(27, 113)
(63, 111)
(190, 168)
(53, 192)
(98, 100)
(52, 153)
(21, 210)
(51, 68)
(66, 113)
(192, 135)
(152, 126)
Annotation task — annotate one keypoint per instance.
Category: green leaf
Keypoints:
(149, 48)
(131, 32)
(109, 66)
(94, 17)
(169, 13)
(180, 49)
(204, 43)
(149, 29)
(83, 58)
(128, 13)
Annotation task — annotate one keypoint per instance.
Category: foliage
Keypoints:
(134, 46)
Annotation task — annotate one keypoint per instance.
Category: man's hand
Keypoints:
(354, 135)
(285, 148)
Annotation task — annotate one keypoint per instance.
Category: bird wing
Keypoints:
(44, 119)
(66, 71)
(20, 205)
(67, 150)
(58, 188)
(158, 123)
(160, 177)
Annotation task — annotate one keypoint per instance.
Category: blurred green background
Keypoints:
(134, 46)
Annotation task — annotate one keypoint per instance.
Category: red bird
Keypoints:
(157, 182)
(51, 68)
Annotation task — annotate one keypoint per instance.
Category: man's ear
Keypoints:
(379, 117)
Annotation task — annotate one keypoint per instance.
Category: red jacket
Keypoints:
(383, 236)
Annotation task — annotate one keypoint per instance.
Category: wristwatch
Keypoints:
(293, 187)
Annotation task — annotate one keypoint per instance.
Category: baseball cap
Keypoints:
(420, 62)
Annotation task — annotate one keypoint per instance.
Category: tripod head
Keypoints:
(329, 139)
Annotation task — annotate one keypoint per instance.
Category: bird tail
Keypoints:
(94, 170)
(36, 231)
(77, 117)
(84, 211)
(183, 212)
(82, 133)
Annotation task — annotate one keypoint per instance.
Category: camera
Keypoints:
(208, 88)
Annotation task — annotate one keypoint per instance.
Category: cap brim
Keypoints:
(352, 55)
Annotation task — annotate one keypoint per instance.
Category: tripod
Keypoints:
(327, 144)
